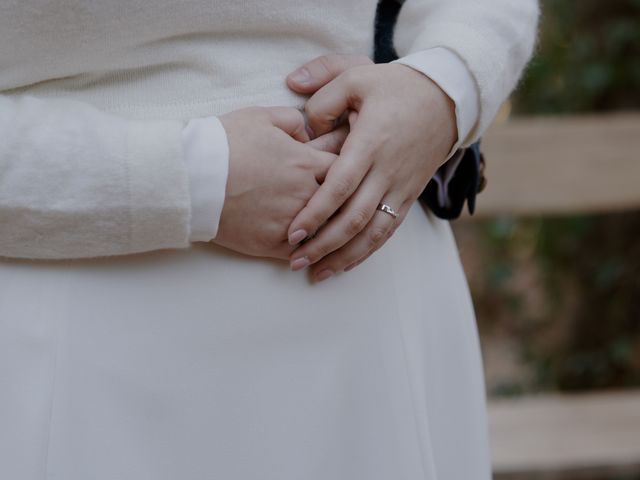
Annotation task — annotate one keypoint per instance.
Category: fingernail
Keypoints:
(324, 274)
(297, 236)
(299, 263)
(301, 75)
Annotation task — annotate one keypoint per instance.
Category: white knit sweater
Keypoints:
(94, 97)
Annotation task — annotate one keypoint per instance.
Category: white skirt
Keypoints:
(204, 364)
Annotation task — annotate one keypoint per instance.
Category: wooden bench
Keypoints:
(569, 437)
(557, 165)
(564, 165)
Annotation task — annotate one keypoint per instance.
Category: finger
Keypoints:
(370, 239)
(371, 252)
(321, 163)
(290, 120)
(368, 254)
(403, 212)
(342, 179)
(341, 228)
(357, 251)
(331, 142)
(326, 106)
(282, 251)
(321, 70)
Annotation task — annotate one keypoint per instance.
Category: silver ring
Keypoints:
(383, 207)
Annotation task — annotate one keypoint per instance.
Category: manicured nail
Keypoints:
(299, 263)
(324, 274)
(301, 76)
(297, 236)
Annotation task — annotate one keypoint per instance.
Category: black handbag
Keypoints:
(468, 179)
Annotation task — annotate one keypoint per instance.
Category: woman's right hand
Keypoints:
(273, 172)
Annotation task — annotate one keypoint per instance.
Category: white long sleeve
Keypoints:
(494, 38)
(206, 147)
(79, 182)
(76, 181)
(206, 151)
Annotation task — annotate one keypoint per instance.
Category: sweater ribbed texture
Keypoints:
(94, 96)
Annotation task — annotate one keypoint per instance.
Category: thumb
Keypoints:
(318, 72)
(290, 120)
(332, 104)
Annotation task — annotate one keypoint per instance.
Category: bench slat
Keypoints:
(566, 433)
(558, 165)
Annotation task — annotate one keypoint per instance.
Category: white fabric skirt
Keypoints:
(204, 364)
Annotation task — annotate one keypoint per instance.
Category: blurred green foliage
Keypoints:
(583, 331)
(588, 58)
(567, 289)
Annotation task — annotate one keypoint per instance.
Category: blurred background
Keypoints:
(553, 253)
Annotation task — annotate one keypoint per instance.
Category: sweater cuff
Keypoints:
(451, 74)
(206, 153)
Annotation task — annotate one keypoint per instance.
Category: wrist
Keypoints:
(452, 75)
(433, 104)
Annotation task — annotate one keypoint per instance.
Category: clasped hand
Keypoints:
(400, 128)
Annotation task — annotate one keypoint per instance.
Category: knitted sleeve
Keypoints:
(495, 38)
(79, 182)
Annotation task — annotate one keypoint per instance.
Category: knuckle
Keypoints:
(318, 252)
(350, 77)
(348, 258)
(327, 62)
(314, 116)
(342, 188)
(390, 233)
(356, 222)
(376, 236)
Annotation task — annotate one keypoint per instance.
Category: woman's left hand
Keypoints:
(402, 127)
